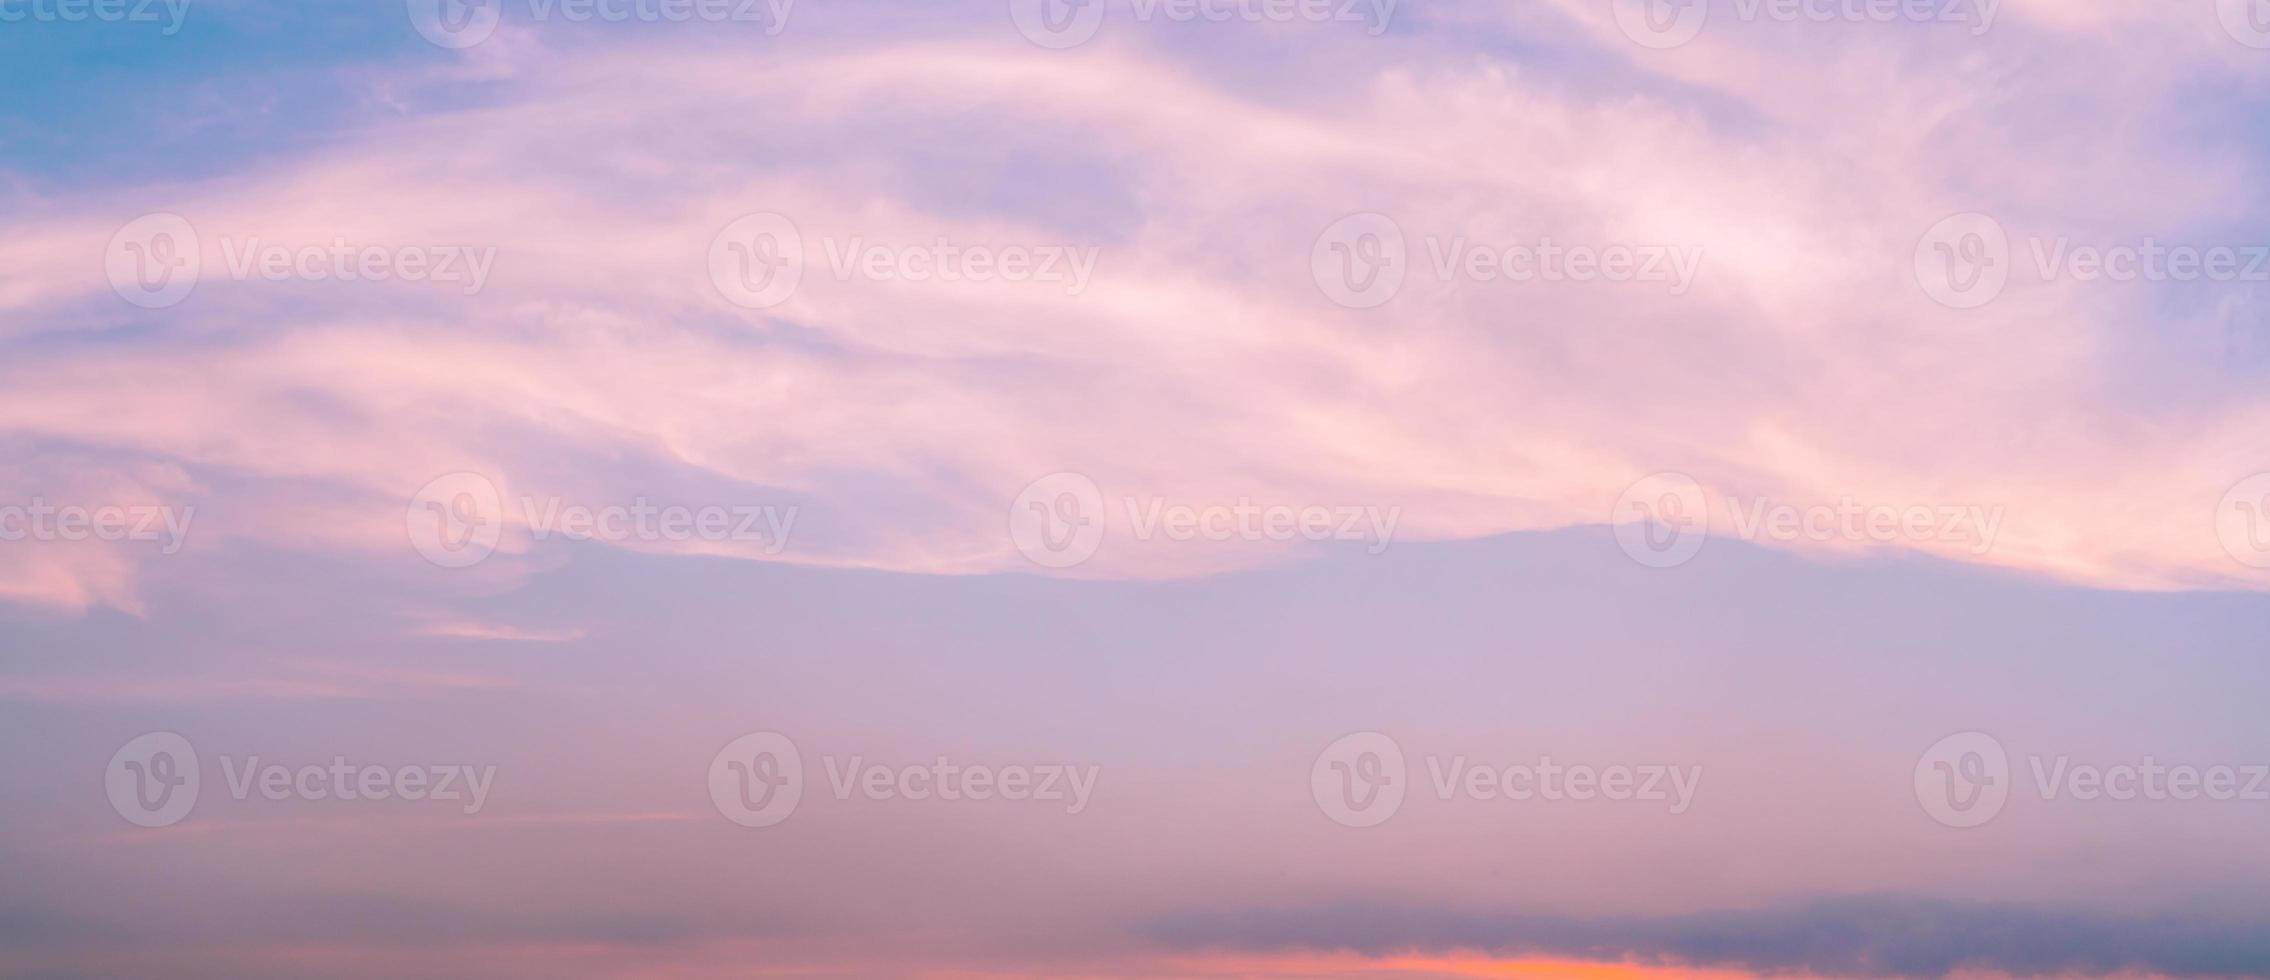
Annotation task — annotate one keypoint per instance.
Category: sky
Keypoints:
(1134, 488)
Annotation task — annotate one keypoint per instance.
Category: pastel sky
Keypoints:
(1401, 488)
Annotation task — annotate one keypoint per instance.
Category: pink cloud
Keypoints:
(1201, 364)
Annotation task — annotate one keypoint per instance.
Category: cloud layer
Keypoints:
(1199, 361)
(1843, 937)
